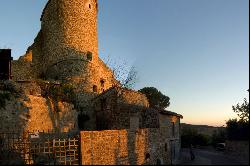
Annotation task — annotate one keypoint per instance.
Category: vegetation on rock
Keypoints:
(4, 95)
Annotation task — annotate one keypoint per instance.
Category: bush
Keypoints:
(218, 137)
(63, 92)
(3, 97)
(191, 136)
(13, 88)
(237, 130)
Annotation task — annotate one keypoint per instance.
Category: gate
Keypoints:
(39, 148)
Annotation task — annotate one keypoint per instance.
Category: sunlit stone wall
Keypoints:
(31, 112)
(124, 147)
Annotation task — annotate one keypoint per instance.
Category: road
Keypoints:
(209, 157)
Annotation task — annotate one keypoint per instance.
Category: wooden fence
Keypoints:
(39, 148)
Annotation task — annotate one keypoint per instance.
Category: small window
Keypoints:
(147, 156)
(94, 88)
(89, 56)
(173, 129)
(166, 147)
(89, 6)
(102, 83)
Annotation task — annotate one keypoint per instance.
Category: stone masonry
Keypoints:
(123, 147)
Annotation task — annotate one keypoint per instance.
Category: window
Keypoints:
(147, 156)
(166, 147)
(89, 56)
(102, 83)
(89, 6)
(94, 88)
(173, 129)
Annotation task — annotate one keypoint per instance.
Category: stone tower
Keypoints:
(69, 30)
(69, 43)
(66, 48)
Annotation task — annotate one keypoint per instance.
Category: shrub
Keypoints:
(63, 92)
(3, 97)
(219, 136)
(13, 88)
(237, 130)
(191, 136)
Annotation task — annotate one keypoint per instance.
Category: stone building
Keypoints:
(62, 76)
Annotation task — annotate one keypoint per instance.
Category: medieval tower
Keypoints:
(66, 48)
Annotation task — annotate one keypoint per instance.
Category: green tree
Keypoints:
(239, 129)
(155, 98)
(242, 110)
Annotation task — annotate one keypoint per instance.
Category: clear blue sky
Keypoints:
(194, 51)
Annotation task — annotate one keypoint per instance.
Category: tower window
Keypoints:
(89, 6)
(102, 83)
(147, 156)
(94, 88)
(89, 56)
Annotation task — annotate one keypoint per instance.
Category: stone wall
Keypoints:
(124, 147)
(21, 68)
(30, 111)
(149, 118)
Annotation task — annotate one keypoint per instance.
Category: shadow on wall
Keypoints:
(131, 150)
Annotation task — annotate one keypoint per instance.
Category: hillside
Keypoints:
(201, 129)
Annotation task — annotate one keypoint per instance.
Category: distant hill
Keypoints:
(201, 129)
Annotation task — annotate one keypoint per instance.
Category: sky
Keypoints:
(194, 51)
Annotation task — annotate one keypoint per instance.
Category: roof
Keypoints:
(116, 88)
(166, 112)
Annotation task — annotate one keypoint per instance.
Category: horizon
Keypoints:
(195, 52)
